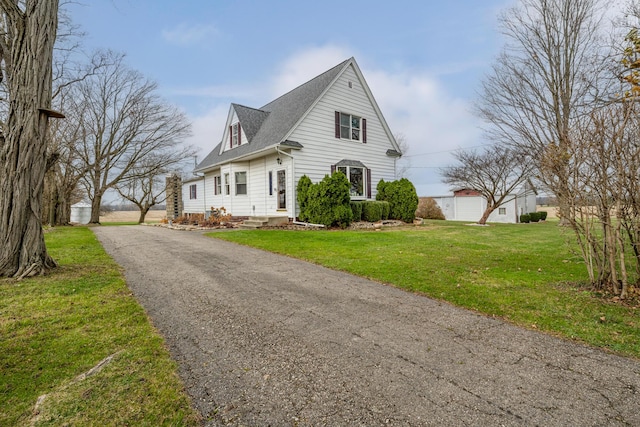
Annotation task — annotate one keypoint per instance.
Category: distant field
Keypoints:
(130, 216)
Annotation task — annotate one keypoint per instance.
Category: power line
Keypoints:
(445, 151)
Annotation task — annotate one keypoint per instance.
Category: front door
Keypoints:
(282, 190)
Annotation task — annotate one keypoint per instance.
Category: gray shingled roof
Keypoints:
(268, 126)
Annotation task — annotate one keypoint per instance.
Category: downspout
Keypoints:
(293, 173)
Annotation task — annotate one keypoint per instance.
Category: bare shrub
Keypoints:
(428, 209)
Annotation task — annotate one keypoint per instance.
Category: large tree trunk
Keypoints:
(28, 64)
(485, 215)
(95, 208)
(143, 214)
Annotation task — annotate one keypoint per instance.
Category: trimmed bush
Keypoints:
(356, 208)
(302, 190)
(386, 209)
(402, 198)
(543, 215)
(372, 211)
(428, 209)
(534, 216)
(328, 202)
(525, 218)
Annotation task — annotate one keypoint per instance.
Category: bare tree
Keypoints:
(403, 165)
(27, 35)
(64, 169)
(146, 187)
(123, 122)
(547, 76)
(494, 173)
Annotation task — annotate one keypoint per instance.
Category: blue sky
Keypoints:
(423, 60)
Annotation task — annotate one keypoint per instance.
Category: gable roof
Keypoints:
(271, 124)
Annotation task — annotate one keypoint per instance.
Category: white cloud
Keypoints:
(207, 129)
(185, 34)
(305, 65)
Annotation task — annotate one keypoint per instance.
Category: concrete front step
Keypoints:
(261, 221)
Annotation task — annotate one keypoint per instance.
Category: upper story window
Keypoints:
(235, 135)
(349, 126)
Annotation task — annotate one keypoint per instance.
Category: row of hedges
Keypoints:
(370, 210)
(533, 217)
(329, 203)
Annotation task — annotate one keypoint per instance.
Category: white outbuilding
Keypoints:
(81, 213)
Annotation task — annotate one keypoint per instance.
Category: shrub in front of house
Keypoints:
(428, 209)
(386, 208)
(534, 216)
(302, 190)
(402, 198)
(372, 211)
(525, 218)
(543, 215)
(356, 208)
(328, 202)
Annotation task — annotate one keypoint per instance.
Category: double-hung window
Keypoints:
(241, 183)
(193, 191)
(235, 135)
(226, 184)
(355, 175)
(217, 185)
(352, 127)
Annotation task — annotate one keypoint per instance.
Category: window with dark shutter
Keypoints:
(333, 169)
(368, 182)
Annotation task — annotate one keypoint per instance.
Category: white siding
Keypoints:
(317, 134)
(193, 205)
(469, 208)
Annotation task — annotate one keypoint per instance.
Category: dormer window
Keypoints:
(349, 126)
(235, 135)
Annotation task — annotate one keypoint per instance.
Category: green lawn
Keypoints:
(524, 273)
(56, 327)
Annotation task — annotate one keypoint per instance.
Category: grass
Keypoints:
(58, 326)
(524, 273)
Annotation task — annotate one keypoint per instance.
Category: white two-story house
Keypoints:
(331, 122)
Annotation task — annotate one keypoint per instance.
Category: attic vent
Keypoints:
(350, 85)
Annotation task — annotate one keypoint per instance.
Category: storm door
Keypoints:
(282, 190)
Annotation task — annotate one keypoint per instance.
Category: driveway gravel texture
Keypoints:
(266, 340)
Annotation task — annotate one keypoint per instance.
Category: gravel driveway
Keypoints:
(262, 339)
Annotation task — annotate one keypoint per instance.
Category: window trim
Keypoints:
(217, 185)
(237, 183)
(347, 173)
(340, 127)
(235, 135)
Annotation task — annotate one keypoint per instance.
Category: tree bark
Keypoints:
(95, 208)
(143, 214)
(485, 215)
(29, 39)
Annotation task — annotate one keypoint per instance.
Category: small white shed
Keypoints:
(81, 213)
